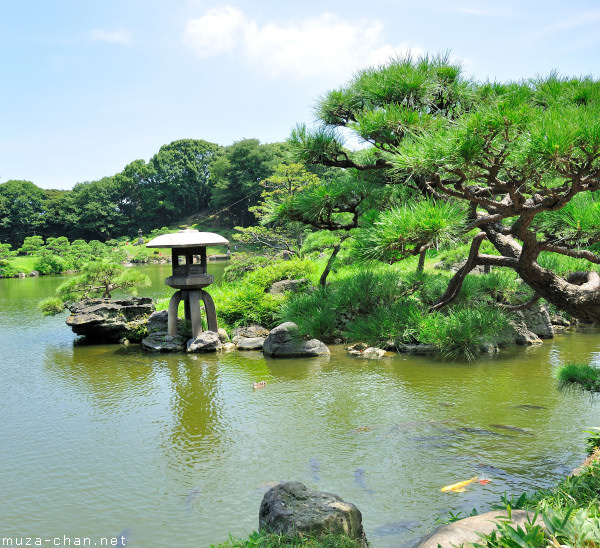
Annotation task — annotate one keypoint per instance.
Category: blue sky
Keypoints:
(89, 86)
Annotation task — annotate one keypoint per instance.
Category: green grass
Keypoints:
(24, 264)
(265, 540)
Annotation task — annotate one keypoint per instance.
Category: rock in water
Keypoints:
(110, 320)
(284, 342)
(207, 341)
(253, 343)
(291, 508)
(161, 342)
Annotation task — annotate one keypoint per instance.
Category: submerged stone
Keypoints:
(284, 341)
(253, 343)
(161, 342)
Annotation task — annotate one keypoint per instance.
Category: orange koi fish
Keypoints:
(458, 487)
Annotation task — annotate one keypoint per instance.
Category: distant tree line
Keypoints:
(184, 178)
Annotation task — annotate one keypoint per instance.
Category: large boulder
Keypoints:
(291, 508)
(207, 341)
(529, 326)
(284, 341)
(110, 320)
(288, 285)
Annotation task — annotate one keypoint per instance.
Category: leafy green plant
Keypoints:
(247, 304)
(592, 442)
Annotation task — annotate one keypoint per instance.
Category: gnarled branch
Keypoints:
(457, 280)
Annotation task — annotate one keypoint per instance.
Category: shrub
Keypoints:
(48, 263)
(7, 270)
(500, 285)
(242, 264)
(247, 304)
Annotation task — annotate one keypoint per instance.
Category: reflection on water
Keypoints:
(179, 450)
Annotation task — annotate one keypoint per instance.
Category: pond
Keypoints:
(178, 450)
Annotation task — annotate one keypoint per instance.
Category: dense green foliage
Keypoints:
(246, 300)
(522, 160)
(182, 179)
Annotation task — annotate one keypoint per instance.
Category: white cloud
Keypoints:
(324, 45)
(220, 31)
(579, 22)
(114, 37)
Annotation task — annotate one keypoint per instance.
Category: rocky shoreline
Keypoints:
(134, 319)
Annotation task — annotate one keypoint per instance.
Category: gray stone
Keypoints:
(372, 353)
(109, 320)
(288, 285)
(421, 349)
(253, 343)
(250, 331)
(207, 341)
(291, 508)
(158, 322)
(219, 257)
(284, 341)
(537, 319)
(161, 342)
(465, 530)
(34, 274)
(558, 320)
(223, 336)
(489, 348)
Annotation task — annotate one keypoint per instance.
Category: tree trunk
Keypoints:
(336, 249)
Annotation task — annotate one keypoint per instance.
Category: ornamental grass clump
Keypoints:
(579, 375)
(462, 330)
(315, 313)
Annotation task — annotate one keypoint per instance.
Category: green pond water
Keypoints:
(178, 450)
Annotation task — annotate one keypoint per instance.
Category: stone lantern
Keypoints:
(188, 248)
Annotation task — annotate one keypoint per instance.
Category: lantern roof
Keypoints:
(187, 238)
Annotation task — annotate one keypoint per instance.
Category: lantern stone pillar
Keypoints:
(189, 277)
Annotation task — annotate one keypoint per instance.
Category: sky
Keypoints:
(88, 86)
